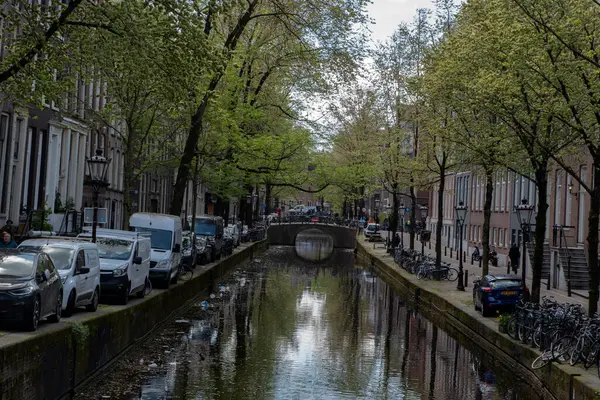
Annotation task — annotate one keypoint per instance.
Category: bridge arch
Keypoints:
(285, 234)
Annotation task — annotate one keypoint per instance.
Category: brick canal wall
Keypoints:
(49, 364)
(555, 381)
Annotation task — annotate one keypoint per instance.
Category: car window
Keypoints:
(505, 283)
(160, 239)
(80, 259)
(41, 264)
(16, 265)
(114, 249)
(50, 265)
(61, 257)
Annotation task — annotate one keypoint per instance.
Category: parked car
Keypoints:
(78, 265)
(228, 243)
(124, 263)
(496, 292)
(233, 231)
(245, 237)
(166, 242)
(203, 251)
(372, 229)
(212, 228)
(189, 256)
(30, 287)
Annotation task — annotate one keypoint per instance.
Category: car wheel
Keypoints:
(33, 319)
(93, 306)
(58, 311)
(70, 305)
(485, 312)
(175, 278)
(124, 297)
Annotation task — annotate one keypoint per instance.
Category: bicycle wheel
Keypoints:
(148, 288)
(421, 273)
(511, 328)
(543, 360)
(452, 274)
(562, 349)
(592, 356)
(185, 274)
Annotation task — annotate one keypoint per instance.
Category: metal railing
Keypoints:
(563, 239)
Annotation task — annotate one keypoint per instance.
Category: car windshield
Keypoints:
(114, 249)
(160, 238)
(60, 256)
(504, 283)
(207, 228)
(14, 266)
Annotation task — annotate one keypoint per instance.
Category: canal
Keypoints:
(282, 328)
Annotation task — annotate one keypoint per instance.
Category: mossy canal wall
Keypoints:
(555, 381)
(51, 363)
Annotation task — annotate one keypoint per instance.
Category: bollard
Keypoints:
(471, 260)
(445, 248)
(464, 256)
(451, 249)
(466, 278)
(479, 262)
(457, 255)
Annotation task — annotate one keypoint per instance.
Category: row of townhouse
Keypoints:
(43, 156)
(567, 213)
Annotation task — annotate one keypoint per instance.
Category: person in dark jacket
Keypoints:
(7, 242)
(514, 255)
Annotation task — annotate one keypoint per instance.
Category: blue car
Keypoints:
(496, 292)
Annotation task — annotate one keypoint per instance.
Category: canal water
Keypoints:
(282, 328)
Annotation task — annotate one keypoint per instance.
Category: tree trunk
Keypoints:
(487, 214)
(248, 205)
(541, 177)
(440, 218)
(393, 222)
(268, 199)
(128, 171)
(413, 215)
(257, 204)
(592, 239)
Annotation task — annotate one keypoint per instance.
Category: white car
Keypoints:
(372, 230)
(78, 265)
(124, 263)
(166, 241)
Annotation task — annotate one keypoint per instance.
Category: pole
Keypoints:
(95, 219)
(460, 285)
(523, 272)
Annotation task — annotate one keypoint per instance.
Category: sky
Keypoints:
(389, 13)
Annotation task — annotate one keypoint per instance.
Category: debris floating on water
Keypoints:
(182, 321)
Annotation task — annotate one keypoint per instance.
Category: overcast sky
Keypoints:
(389, 13)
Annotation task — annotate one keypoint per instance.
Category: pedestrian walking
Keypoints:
(514, 254)
(7, 242)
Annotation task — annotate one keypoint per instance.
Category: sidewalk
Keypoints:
(462, 309)
(474, 272)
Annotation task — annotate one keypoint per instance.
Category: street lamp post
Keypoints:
(424, 210)
(461, 213)
(402, 225)
(97, 167)
(524, 213)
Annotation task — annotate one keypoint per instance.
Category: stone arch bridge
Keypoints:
(285, 234)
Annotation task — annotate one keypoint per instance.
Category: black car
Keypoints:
(203, 251)
(188, 254)
(211, 228)
(30, 288)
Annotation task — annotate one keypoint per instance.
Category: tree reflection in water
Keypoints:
(290, 329)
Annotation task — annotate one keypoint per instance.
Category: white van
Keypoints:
(166, 237)
(78, 265)
(124, 263)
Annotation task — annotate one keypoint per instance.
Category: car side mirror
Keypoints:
(177, 248)
(137, 260)
(83, 270)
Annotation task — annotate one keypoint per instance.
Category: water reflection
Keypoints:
(314, 245)
(292, 330)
